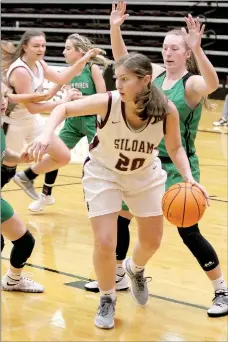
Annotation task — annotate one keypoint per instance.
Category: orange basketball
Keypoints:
(183, 204)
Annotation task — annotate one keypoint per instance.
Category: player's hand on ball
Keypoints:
(202, 188)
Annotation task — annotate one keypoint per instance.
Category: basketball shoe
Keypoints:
(121, 284)
(25, 184)
(42, 202)
(105, 314)
(139, 288)
(22, 285)
(220, 304)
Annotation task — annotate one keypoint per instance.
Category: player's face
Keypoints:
(70, 53)
(128, 84)
(36, 47)
(174, 53)
(4, 98)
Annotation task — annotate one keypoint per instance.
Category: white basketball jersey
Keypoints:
(119, 147)
(20, 113)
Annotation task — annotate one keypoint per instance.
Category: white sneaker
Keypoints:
(42, 202)
(220, 304)
(121, 284)
(105, 314)
(23, 285)
(221, 122)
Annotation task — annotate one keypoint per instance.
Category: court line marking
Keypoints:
(39, 187)
(167, 299)
(57, 185)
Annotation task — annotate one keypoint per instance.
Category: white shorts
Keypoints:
(18, 136)
(105, 189)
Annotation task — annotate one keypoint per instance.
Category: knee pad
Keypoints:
(200, 247)
(2, 242)
(22, 250)
(123, 238)
(7, 172)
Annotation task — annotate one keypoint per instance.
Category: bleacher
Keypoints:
(144, 31)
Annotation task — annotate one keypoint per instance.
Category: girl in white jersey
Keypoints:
(25, 72)
(123, 164)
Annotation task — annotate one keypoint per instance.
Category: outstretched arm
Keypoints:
(25, 98)
(89, 105)
(208, 81)
(119, 48)
(70, 72)
(117, 18)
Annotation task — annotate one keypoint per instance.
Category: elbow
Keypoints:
(214, 85)
(33, 110)
(172, 151)
(61, 80)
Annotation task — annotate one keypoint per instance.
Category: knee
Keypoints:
(151, 244)
(105, 245)
(7, 173)
(2, 242)
(189, 234)
(22, 250)
(199, 247)
(65, 157)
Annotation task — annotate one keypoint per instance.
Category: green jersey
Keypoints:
(189, 118)
(84, 82)
(3, 145)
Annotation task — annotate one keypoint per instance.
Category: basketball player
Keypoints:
(182, 83)
(89, 82)
(11, 225)
(25, 73)
(123, 163)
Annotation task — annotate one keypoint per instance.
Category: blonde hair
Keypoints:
(10, 53)
(150, 102)
(83, 44)
(191, 64)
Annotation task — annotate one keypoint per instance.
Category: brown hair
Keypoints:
(83, 44)
(151, 102)
(191, 64)
(10, 53)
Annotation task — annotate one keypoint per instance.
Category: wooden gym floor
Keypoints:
(180, 293)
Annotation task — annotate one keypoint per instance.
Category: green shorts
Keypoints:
(173, 175)
(76, 128)
(6, 211)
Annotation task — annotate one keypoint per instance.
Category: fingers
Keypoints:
(197, 24)
(36, 151)
(66, 87)
(119, 5)
(202, 29)
(194, 24)
(188, 23)
(183, 30)
(95, 51)
(204, 191)
(125, 17)
(113, 6)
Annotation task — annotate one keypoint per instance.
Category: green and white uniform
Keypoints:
(6, 209)
(189, 122)
(76, 128)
